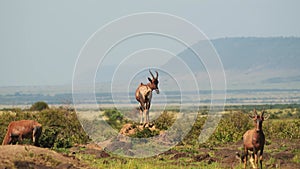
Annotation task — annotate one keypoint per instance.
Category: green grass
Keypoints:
(296, 159)
(146, 163)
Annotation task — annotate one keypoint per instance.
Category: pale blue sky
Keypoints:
(40, 40)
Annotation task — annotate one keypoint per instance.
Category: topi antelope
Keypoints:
(17, 130)
(254, 140)
(143, 95)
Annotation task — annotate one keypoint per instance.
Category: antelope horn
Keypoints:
(156, 74)
(254, 111)
(262, 113)
(151, 74)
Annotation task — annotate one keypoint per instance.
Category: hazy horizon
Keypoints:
(42, 40)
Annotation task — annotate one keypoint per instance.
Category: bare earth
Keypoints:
(26, 156)
(278, 154)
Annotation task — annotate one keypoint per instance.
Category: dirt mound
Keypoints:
(131, 129)
(26, 156)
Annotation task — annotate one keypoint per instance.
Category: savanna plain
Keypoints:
(65, 144)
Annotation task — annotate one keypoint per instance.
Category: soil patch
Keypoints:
(179, 155)
(26, 156)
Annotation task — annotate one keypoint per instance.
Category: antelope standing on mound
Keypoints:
(254, 140)
(17, 130)
(143, 95)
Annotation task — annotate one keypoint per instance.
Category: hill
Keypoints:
(250, 62)
(259, 53)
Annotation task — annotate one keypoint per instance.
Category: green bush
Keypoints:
(39, 106)
(282, 129)
(115, 118)
(165, 120)
(61, 128)
(192, 136)
(48, 137)
(231, 128)
(145, 133)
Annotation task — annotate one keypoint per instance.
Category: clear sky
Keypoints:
(40, 40)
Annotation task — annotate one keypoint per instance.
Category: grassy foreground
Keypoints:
(63, 133)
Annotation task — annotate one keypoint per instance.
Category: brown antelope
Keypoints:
(254, 140)
(143, 95)
(17, 130)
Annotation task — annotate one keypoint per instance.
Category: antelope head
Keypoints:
(154, 82)
(258, 119)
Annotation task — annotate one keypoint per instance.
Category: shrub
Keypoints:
(115, 118)
(61, 128)
(282, 129)
(231, 128)
(165, 120)
(192, 136)
(39, 106)
(145, 133)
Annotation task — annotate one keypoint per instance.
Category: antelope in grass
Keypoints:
(254, 140)
(143, 95)
(17, 130)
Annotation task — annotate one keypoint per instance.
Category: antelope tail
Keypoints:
(7, 137)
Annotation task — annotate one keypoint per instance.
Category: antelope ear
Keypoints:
(266, 116)
(149, 79)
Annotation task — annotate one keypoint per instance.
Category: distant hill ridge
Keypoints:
(250, 62)
(271, 53)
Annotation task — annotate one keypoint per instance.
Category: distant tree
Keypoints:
(39, 106)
